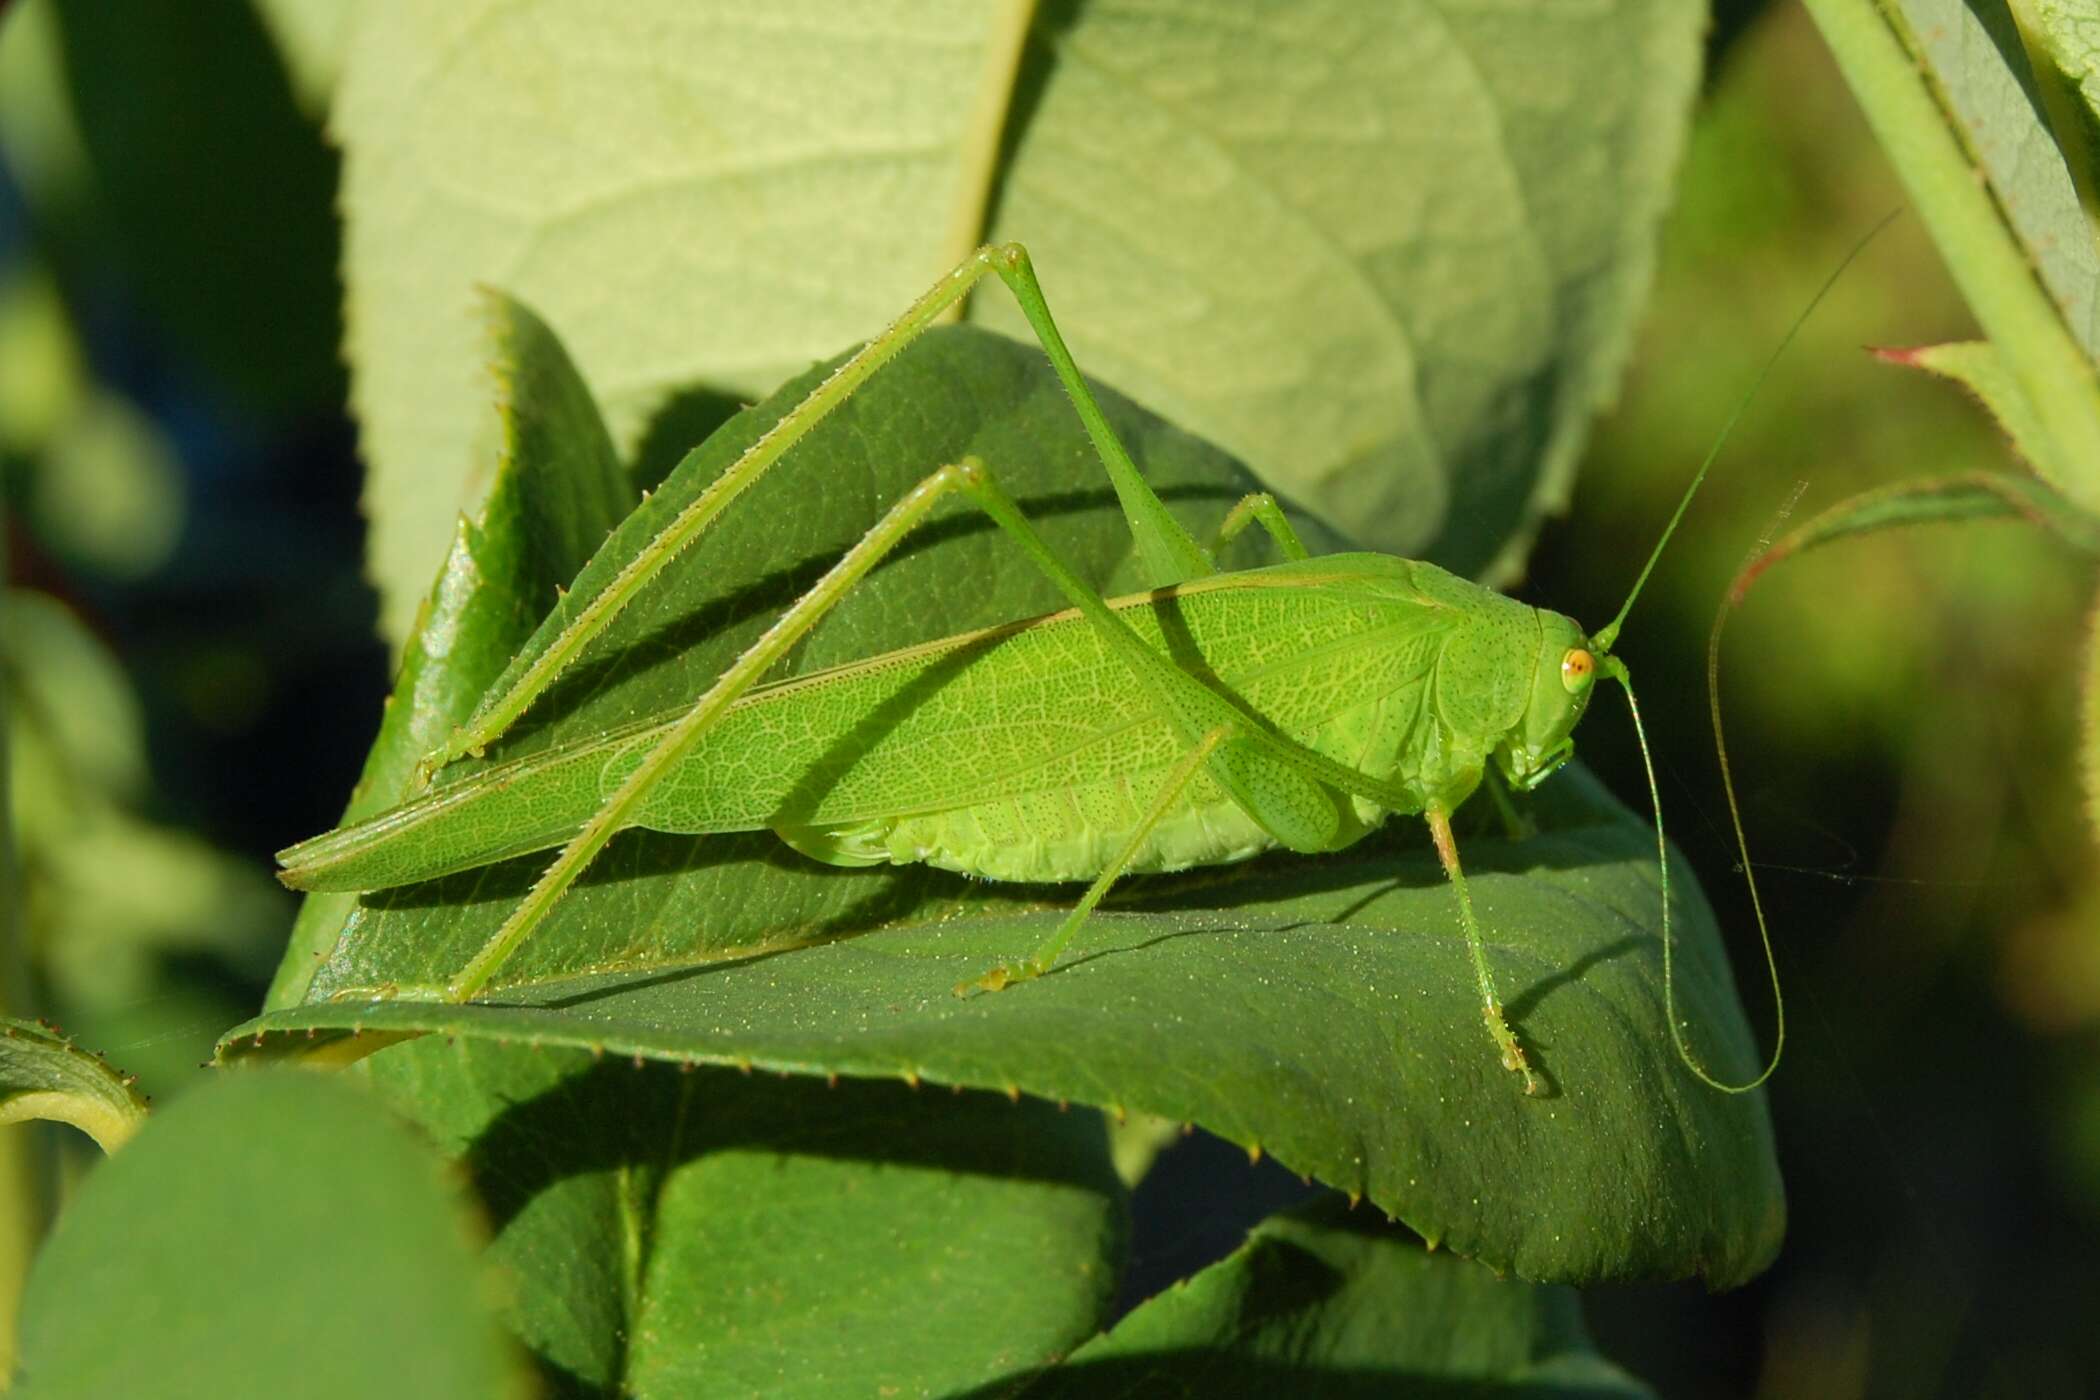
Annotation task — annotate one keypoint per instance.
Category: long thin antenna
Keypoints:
(1602, 640)
(1616, 669)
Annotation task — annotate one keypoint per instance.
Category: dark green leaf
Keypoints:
(612, 1187)
(268, 1234)
(956, 392)
(1322, 1011)
(1333, 1302)
(44, 1075)
(714, 1233)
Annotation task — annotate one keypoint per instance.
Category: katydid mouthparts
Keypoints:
(1219, 714)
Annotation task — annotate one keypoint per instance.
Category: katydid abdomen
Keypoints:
(1026, 752)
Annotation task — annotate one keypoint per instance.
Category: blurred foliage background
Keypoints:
(192, 669)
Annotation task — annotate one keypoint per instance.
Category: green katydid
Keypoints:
(1226, 714)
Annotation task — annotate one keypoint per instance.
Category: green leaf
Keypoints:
(1977, 366)
(555, 492)
(1990, 89)
(1323, 1010)
(1325, 1014)
(1389, 256)
(1945, 86)
(43, 1075)
(958, 391)
(881, 1237)
(1332, 1302)
(266, 1232)
(1246, 223)
(2063, 45)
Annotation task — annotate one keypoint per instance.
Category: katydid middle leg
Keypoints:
(1170, 790)
(1168, 553)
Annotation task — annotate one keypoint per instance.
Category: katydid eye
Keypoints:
(1576, 668)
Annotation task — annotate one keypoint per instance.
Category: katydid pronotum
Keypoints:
(1425, 682)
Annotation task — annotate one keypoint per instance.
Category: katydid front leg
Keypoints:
(1491, 1005)
(1167, 551)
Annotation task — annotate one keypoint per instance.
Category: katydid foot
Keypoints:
(1512, 1052)
(1001, 977)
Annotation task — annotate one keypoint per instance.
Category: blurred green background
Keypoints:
(192, 671)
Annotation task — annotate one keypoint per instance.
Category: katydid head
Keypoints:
(1563, 675)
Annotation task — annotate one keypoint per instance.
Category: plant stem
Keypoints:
(25, 1176)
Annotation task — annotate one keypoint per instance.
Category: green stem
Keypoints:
(1920, 137)
(25, 1179)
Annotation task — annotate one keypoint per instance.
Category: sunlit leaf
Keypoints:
(673, 1233)
(1390, 255)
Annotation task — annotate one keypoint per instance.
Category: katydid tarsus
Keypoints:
(1294, 706)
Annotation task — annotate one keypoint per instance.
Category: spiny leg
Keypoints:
(1491, 1006)
(1044, 958)
(1259, 506)
(1169, 553)
(679, 740)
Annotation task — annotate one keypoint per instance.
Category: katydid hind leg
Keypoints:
(1167, 552)
(680, 738)
(1170, 555)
